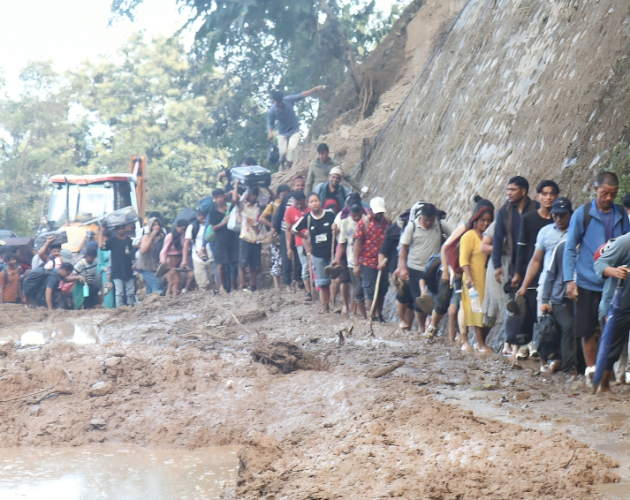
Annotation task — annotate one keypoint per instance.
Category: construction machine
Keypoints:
(77, 202)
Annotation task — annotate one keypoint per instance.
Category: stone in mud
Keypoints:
(522, 396)
(111, 362)
(98, 423)
(100, 389)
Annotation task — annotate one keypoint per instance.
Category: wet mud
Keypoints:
(178, 373)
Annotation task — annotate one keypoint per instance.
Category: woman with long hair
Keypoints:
(172, 253)
(473, 261)
(149, 256)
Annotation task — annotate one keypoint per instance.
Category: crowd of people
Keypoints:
(543, 271)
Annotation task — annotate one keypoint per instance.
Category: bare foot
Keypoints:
(465, 346)
(403, 326)
(604, 385)
(485, 350)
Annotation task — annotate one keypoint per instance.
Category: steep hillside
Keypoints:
(520, 86)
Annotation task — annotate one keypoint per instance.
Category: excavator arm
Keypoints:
(139, 170)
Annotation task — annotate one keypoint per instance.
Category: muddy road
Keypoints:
(178, 373)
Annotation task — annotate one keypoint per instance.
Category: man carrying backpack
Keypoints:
(194, 243)
(592, 225)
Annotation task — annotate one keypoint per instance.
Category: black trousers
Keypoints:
(286, 262)
(563, 314)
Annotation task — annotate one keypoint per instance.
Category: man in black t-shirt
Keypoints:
(225, 245)
(121, 248)
(50, 295)
(531, 223)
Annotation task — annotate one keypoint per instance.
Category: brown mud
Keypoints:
(178, 373)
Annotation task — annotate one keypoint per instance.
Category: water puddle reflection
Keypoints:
(117, 472)
(78, 331)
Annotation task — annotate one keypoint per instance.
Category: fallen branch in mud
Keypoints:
(52, 392)
(388, 369)
(190, 331)
(228, 311)
(25, 396)
(287, 357)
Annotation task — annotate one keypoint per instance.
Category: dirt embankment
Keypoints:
(335, 432)
(519, 87)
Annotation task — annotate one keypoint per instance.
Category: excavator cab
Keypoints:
(77, 201)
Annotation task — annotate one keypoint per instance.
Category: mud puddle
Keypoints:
(118, 472)
(78, 331)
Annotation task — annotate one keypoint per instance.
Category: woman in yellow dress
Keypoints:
(473, 262)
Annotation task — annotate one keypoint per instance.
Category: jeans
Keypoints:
(154, 285)
(306, 268)
(563, 314)
(125, 288)
(319, 264)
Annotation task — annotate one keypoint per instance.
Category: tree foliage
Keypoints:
(266, 44)
(149, 101)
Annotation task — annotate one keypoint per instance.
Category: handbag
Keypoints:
(234, 222)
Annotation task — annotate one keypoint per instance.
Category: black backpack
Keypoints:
(433, 273)
(33, 282)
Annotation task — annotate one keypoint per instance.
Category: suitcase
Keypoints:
(251, 177)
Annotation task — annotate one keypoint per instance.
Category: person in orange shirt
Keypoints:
(10, 281)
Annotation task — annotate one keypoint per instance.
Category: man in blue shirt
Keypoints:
(288, 125)
(592, 225)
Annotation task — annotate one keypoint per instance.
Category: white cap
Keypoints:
(377, 205)
(336, 170)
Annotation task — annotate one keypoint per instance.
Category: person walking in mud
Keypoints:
(225, 248)
(121, 251)
(172, 256)
(292, 215)
(316, 229)
(531, 224)
(281, 111)
(507, 230)
(250, 242)
(473, 261)
(368, 239)
(319, 169)
(422, 238)
(592, 225)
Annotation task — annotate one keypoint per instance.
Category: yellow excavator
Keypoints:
(77, 202)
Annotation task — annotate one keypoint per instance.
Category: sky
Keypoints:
(69, 32)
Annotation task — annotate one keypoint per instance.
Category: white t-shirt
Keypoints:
(198, 243)
(423, 243)
(346, 235)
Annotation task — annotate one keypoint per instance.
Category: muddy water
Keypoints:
(117, 472)
(76, 330)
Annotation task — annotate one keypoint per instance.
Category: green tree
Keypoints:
(36, 141)
(266, 44)
(151, 102)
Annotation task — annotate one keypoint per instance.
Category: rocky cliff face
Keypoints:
(530, 87)
(520, 87)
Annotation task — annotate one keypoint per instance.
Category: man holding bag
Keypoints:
(225, 247)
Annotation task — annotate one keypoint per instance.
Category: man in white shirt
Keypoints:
(195, 244)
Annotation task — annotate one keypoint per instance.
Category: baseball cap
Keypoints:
(562, 205)
(377, 205)
(336, 170)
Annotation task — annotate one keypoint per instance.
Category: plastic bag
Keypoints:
(122, 217)
(234, 222)
(273, 153)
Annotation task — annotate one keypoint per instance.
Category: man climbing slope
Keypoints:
(288, 125)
